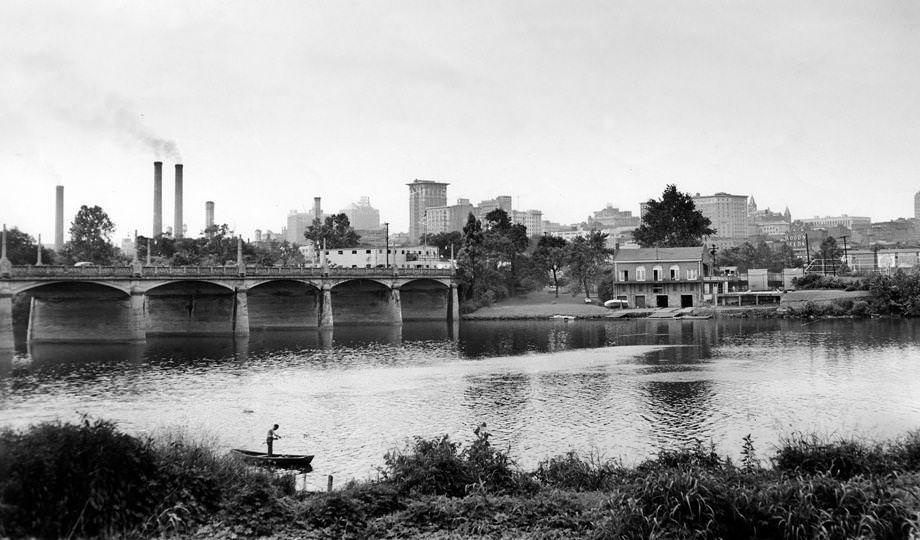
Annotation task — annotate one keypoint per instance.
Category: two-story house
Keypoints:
(660, 277)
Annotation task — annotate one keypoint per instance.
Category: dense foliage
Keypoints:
(52, 485)
(335, 232)
(22, 249)
(672, 221)
(90, 236)
(759, 255)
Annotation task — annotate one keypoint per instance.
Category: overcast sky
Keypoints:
(564, 105)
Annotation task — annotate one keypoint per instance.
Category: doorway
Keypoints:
(686, 300)
(640, 301)
(661, 300)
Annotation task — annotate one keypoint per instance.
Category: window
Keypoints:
(340, 252)
(656, 273)
(675, 272)
(354, 252)
(692, 273)
(367, 251)
(624, 275)
(640, 273)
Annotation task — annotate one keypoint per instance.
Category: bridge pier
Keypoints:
(396, 305)
(325, 318)
(6, 321)
(241, 313)
(454, 315)
(138, 315)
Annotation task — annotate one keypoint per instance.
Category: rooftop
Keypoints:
(659, 254)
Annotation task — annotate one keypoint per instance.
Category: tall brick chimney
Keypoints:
(59, 218)
(178, 228)
(157, 198)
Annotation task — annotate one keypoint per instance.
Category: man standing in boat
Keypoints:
(271, 438)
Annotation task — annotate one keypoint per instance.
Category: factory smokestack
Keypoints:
(208, 214)
(178, 228)
(157, 198)
(317, 209)
(59, 218)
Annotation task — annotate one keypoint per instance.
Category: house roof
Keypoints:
(659, 254)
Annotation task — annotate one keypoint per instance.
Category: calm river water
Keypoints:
(620, 388)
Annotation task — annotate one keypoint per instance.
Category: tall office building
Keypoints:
(440, 219)
(362, 215)
(423, 194)
(728, 215)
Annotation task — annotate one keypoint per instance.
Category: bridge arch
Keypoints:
(283, 304)
(191, 307)
(425, 299)
(364, 301)
(81, 311)
(29, 287)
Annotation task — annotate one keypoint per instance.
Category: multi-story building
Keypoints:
(612, 218)
(370, 257)
(484, 207)
(905, 232)
(660, 277)
(728, 215)
(423, 194)
(440, 219)
(297, 224)
(858, 225)
(362, 215)
(532, 219)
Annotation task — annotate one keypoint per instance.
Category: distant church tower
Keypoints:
(787, 216)
(752, 207)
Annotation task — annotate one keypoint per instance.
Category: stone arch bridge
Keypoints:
(71, 304)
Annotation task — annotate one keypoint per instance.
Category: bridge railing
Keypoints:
(91, 272)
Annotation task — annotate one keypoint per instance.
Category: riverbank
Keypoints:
(52, 485)
(796, 304)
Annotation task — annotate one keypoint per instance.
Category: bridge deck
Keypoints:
(166, 272)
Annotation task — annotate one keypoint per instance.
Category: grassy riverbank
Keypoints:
(59, 480)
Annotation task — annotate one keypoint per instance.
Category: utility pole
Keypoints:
(844, 248)
(386, 226)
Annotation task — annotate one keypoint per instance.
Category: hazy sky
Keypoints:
(566, 105)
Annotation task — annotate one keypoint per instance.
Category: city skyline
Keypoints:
(564, 109)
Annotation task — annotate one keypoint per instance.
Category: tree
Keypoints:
(585, 258)
(829, 250)
(22, 249)
(550, 257)
(90, 235)
(761, 255)
(673, 221)
(444, 241)
(336, 231)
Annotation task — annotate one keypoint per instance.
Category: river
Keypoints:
(624, 388)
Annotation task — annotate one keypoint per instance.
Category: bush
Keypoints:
(571, 472)
(860, 308)
(88, 479)
(61, 480)
(441, 467)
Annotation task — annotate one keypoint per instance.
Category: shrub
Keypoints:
(860, 308)
(82, 479)
(440, 467)
(574, 473)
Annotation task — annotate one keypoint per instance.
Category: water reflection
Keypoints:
(625, 387)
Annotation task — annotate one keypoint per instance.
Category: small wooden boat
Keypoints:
(282, 461)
